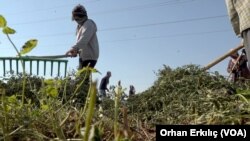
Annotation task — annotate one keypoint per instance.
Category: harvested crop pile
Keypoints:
(189, 95)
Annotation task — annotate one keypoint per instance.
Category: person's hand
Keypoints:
(72, 52)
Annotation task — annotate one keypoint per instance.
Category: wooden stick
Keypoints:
(52, 57)
(222, 57)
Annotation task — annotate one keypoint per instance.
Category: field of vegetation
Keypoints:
(69, 109)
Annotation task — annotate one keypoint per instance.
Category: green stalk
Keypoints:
(82, 112)
(87, 98)
(116, 118)
(13, 45)
(117, 98)
(57, 128)
(68, 101)
(243, 98)
(24, 74)
(5, 123)
(24, 83)
(65, 89)
(91, 108)
(78, 87)
(13, 132)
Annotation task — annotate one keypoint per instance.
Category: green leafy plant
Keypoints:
(27, 47)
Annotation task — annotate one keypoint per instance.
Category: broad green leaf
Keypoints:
(28, 46)
(3, 22)
(44, 107)
(86, 69)
(51, 91)
(8, 108)
(93, 70)
(81, 71)
(8, 30)
(12, 99)
(49, 81)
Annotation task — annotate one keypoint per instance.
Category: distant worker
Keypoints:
(119, 86)
(239, 15)
(103, 87)
(131, 90)
(119, 91)
(237, 66)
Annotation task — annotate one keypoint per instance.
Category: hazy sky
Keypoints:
(136, 37)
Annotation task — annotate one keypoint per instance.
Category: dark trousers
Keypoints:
(85, 63)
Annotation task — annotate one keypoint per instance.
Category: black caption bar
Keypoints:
(204, 132)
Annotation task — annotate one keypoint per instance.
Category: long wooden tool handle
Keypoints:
(52, 57)
(222, 57)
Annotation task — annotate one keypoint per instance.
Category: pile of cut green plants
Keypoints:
(190, 95)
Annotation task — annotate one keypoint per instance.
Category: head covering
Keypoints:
(108, 73)
(79, 11)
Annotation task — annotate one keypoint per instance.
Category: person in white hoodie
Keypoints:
(86, 45)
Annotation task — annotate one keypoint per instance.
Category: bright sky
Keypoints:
(136, 37)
